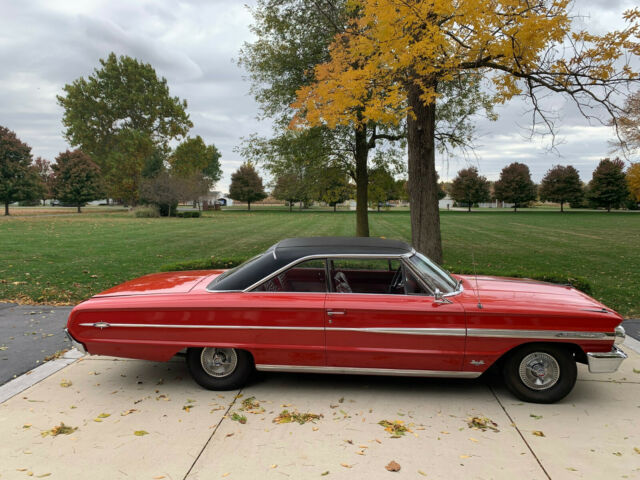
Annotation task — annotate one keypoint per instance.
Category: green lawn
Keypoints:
(66, 258)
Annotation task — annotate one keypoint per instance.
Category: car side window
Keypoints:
(308, 276)
(366, 275)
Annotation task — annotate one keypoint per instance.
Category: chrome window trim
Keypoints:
(325, 257)
(366, 371)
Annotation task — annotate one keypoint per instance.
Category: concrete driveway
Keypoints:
(141, 420)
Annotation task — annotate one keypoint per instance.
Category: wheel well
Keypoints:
(577, 352)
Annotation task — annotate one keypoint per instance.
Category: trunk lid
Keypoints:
(161, 283)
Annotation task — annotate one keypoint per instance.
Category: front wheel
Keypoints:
(219, 368)
(540, 373)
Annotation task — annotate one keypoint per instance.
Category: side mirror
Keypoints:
(439, 298)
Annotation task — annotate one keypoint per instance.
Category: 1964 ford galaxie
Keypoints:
(357, 306)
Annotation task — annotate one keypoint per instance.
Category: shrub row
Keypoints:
(579, 283)
(203, 264)
(190, 214)
(145, 211)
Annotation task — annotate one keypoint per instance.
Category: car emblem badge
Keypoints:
(477, 363)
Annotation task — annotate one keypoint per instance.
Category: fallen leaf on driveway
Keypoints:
(393, 466)
(61, 429)
(482, 423)
(538, 433)
(395, 428)
(346, 465)
(325, 473)
(140, 433)
(288, 417)
(128, 412)
(637, 449)
(537, 417)
(422, 473)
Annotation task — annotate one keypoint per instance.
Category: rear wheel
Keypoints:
(540, 373)
(219, 368)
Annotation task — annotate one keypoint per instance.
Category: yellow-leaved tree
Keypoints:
(388, 65)
(633, 180)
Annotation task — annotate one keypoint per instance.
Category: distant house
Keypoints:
(446, 203)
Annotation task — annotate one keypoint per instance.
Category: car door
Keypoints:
(379, 316)
(286, 317)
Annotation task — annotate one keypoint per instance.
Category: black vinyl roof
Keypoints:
(291, 249)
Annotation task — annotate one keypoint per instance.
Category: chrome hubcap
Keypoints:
(219, 362)
(539, 371)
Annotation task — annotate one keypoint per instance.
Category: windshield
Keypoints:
(434, 275)
(232, 270)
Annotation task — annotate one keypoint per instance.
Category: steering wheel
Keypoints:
(396, 282)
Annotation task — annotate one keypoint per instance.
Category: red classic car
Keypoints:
(357, 306)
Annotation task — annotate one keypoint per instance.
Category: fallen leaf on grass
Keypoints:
(61, 429)
(538, 433)
(395, 428)
(289, 417)
(482, 423)
(236, 417)
(140, 433)
(393, 466)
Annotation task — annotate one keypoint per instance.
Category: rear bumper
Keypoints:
(605, 362)
(75, 344)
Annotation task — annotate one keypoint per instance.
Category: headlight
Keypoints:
(619, 335)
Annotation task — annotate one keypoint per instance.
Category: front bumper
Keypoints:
(605, 362)
(74, 343)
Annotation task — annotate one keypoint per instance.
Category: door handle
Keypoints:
(336, 312)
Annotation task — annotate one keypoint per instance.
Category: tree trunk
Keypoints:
(79, 211)
(335, 207)
(515, 208)
(469, 205)
(378, 207)
(6, 207)
(423, 184)
(249, 206)
(608, 208)
(362, 182)
(290, 206)
(561, 207)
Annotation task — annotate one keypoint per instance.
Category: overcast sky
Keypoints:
(45, 45)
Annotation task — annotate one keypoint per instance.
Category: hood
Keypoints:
(161, 283)
(499, 292)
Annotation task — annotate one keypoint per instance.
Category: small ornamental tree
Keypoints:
(44, 171)
(246, 185)
(469, 187)
(515, 186)
(18, 179)
(633, 181)
(562, 185)
(608, 186)
(287, 188)
(382, 186)
(77, 179)
(334, 187)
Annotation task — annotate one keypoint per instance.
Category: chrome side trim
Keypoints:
(605, 362)
(366, 371)
(397, 331)
(539, 334)
(214, 327)
(450, 332)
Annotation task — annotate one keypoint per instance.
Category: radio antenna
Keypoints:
(473, 261)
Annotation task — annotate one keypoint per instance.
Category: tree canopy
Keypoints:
(469, 187)
(608, 186)
(77, 178)
(18, 179)
(633, 181)
(561, 184)
(515, 186)
(246, 185)
(390, 63)
(193, 157)
(120, 113)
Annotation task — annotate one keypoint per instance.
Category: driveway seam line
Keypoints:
(226, 413)
(513, 423)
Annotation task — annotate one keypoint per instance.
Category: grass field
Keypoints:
(66, 258)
